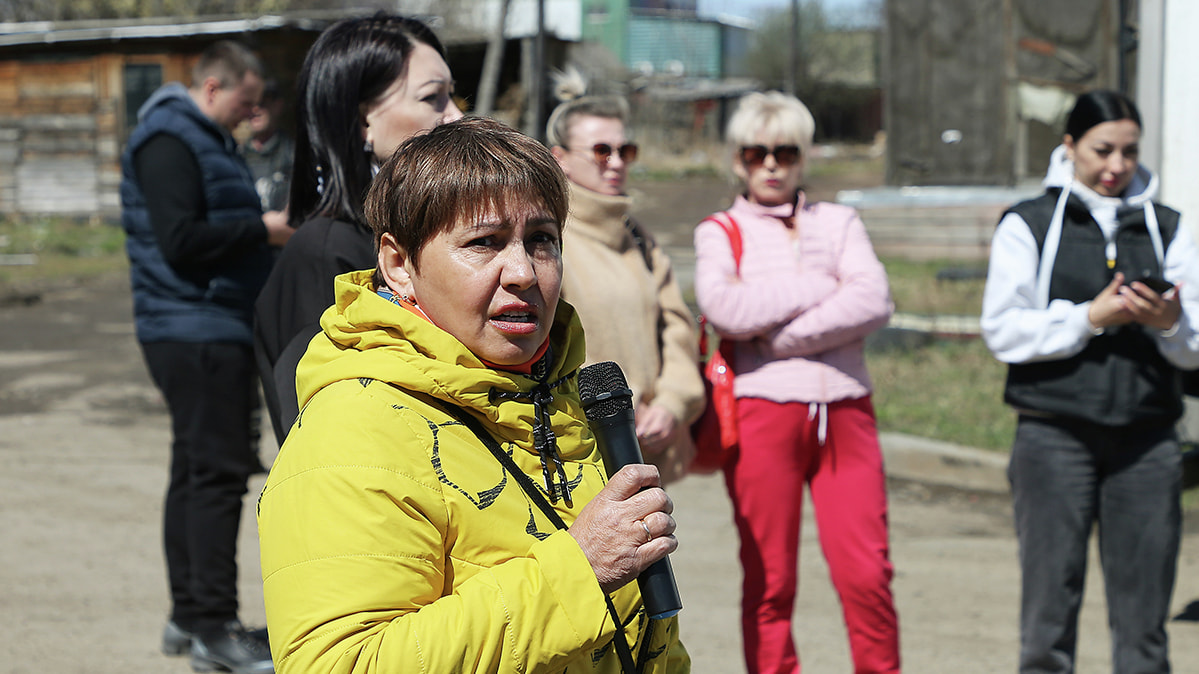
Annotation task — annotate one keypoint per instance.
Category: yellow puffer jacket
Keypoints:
(393, 541)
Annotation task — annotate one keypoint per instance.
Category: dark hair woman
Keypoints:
(366, 85)
(441, 505)
(1090, 300)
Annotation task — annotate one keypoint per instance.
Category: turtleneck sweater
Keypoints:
(809, 290)
(632, 310)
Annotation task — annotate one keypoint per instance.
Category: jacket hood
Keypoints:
(1139, 193)
(174, 93)
(1143, 187)
(367, 337)
(166, 92)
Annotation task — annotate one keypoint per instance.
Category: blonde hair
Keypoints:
(570, 87)
(772, 114)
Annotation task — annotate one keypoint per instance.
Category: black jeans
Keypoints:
(211, 391)
(1068, 476)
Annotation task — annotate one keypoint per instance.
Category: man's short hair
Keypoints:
(228, 62)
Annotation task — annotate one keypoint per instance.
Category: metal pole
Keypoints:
(534, 124)
(1150, 85)
(489, 81)
(791, 80)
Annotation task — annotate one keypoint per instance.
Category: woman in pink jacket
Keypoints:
(807, 290)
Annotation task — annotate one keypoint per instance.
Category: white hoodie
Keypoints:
(1018, 322)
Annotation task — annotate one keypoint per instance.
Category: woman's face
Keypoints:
(769, 180)
(579, 161)
(494, 283)
(1105, 158)
(418, 100)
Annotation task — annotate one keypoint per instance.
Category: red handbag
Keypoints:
(715, 432)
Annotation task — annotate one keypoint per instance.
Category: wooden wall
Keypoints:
(62, 132)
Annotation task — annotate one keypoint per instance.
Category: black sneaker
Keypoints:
(232, 649)
(1190, 466)
(175, 639)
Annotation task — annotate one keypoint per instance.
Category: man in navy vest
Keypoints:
(200, 248)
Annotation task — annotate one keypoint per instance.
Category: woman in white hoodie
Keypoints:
(1091, 298)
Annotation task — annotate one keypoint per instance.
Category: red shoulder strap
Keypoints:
(731, 230)
(729, 225)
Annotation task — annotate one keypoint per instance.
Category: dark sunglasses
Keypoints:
(785, 155)
(603, 153)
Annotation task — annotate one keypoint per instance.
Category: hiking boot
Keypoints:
(175, 639)
(233, 648)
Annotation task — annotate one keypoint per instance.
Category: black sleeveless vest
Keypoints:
(1120, 378)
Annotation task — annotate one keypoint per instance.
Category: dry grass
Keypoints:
(56, 249)
(951, 390)
(917, 290)
(948, 389)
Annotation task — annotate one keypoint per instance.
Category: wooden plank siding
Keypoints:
(48, 138)
(110, 132)
(10, 136)
(57, 173)
(62, 132)
(8, 84)
(63, 116)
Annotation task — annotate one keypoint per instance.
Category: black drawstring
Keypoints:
(544, 439)
(621, 643)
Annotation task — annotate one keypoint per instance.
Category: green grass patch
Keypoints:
(46, 249)
(917, 290)
(947, 389)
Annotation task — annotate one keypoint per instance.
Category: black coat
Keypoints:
(288, 311)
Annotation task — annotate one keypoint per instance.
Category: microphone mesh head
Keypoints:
(599, 379)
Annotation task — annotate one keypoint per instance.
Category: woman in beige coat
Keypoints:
(621, 282)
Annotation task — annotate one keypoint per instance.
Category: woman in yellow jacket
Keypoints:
(393, 539)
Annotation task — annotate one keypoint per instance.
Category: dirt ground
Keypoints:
(83, 462)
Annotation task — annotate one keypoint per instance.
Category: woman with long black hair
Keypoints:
(367, 84)
(1090, 299)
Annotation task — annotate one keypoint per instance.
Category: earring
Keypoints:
(368, 147)
(408, 300)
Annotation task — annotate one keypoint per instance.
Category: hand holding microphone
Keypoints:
(624, 529)
(632, 502)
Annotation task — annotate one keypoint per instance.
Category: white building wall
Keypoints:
(563, 18)
(1168, 95)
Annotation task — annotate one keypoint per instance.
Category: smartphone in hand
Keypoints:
(1157, 283)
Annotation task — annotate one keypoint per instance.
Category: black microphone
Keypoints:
(608, 404)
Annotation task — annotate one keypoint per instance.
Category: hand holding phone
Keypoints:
(1157, 283)
(1159, 312)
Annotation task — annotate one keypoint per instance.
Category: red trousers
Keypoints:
(781, 451)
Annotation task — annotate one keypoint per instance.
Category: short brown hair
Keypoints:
(228, 61)
(461, 170)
